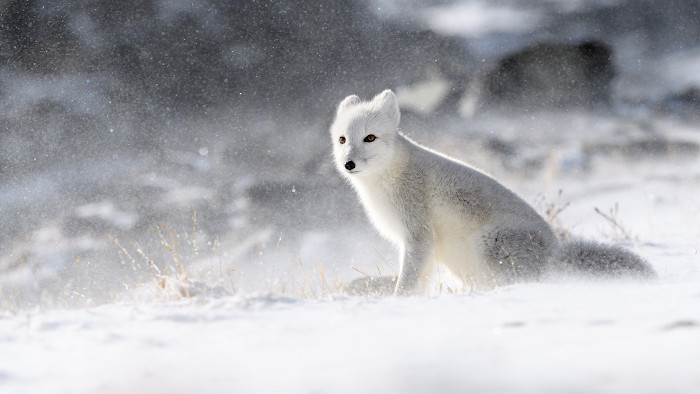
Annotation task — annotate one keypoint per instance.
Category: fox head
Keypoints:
(364, 134)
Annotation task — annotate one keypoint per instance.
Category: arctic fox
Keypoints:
(437, 209)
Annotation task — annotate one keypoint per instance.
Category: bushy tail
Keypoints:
(598, 260)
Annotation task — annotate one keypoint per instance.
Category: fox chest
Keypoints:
(385, 212)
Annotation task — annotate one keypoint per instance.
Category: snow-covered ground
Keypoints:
(609, 337)
(553, 337)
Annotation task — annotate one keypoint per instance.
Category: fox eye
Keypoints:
(370, 138)
(341, 140)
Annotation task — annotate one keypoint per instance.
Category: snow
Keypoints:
(609, 337)
(475, 19)
(106, 211)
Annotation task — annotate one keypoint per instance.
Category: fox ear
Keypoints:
(348, 102)
(386, 103)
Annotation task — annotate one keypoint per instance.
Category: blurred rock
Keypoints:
(545, 76)
(656, 147)
(685, 103)
(690, 96)
(188, 58)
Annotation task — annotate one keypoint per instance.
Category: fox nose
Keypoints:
(350, 165)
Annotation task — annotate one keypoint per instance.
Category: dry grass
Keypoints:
(179, 263)
(172, 266)
(612, 218)
(551, 210)
(177, 266)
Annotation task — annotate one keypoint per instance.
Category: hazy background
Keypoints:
(120, 120)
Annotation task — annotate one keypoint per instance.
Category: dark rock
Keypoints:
(546, 76)
(685, 103)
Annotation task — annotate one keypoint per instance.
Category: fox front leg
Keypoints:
(415, 262)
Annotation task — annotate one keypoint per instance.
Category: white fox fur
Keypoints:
(437, 209)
